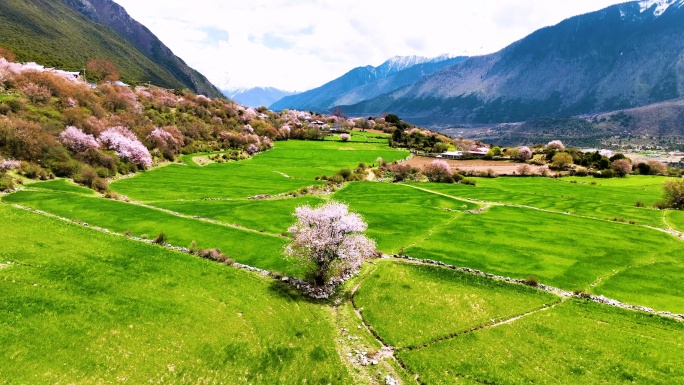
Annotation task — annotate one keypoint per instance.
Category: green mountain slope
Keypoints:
(52, 34)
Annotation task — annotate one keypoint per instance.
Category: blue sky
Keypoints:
(302, 44)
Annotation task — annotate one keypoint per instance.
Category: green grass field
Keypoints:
(399, 216)
(573, 343)
(112, 308)
(273, 216)
(606, 199)
(676, 219)
(83, 307)
(288, 167)
(564, 251)
(410, 305)
(259, 250)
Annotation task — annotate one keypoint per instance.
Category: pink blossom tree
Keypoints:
(622, 167)
(168, 140)
(345, 137)
(555, 145)
(328, 240)
(126, 145)
(438, 171)
(76, 140)
(524, 153)
(9, 164)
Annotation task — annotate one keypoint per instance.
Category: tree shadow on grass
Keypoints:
(287, 292)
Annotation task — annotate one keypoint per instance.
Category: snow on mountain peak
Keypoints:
(398, 63)
(661, 5)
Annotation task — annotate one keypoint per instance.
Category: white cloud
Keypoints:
(301, 44)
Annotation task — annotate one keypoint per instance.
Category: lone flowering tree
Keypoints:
(328, 240)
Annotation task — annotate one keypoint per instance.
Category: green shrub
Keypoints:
(6, 183)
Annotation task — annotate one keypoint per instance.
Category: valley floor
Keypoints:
(77, 275)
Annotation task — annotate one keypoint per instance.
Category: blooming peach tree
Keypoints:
(438, 171)
(126, 145)
(328, 240)
(524, 153)
(555, 145)
(76, 140)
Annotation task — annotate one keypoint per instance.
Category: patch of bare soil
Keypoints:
(499, 167)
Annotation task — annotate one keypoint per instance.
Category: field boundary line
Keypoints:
(486, 325)
(669, 230)
(389, 349)
(207, 220)
(600, 299)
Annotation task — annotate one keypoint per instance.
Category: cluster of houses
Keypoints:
(73, 76)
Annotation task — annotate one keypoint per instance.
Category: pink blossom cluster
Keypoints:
(203, 99)
(345, 137)
(249, 114)
(9, 164)
(555, 145)
(76, 140)
(163, 139)
(438, 171)
(266, 143)
(126, 145)
(328, 237)
(249, 142)
(524, 153)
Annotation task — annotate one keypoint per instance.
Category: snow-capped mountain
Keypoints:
(257, 96)
(367, 82)
(400, 63)
(660, 5)
(625, 56)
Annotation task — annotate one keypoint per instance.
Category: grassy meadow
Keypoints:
(454, 328)
(289, 166)
(572, 343)
(403, 301)
(84, 307)
(147, 314)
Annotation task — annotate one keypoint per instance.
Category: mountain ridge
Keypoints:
(623, 56)
(257, 96)
(366, 82)
(111, 14)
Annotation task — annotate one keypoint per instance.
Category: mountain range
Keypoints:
(364, 83)
(67, 33)
(257, 96)
(624, 56)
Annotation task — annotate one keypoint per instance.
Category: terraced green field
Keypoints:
(564, 251)
(288, 167)
(573, 343)
(249, 247)
(607, 199)
(83, 307)
(147, 314)
(412, 305)
(398, 216)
